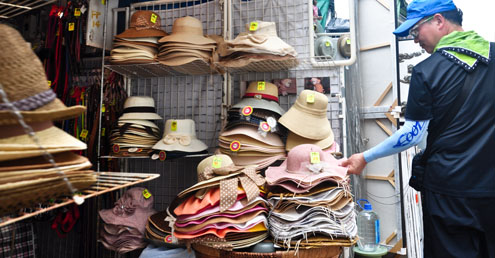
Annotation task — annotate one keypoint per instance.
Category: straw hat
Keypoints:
(262, 95)
(139, 108)
(144, 24)
(308, 116)
(187, 30)
(180, 135)
(23, 79)
(293, 140)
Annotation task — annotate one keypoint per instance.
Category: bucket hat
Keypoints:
(132, 209)
(23, 79)
(300, 167)
(308, 116)
(294, 140)
(262, 95)
(187, 30)
(139, 108)
(144, 24)
(418, 9)
(180, 135)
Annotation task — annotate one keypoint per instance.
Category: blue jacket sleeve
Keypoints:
(408, 136)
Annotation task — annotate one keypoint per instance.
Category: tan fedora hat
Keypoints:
(23, 79)
(187, 29)
(308, 116)
(144, 24)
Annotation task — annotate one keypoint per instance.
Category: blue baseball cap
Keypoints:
(418, 9)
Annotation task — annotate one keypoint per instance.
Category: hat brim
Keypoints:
(195, 146)
(187, 38)
(293, 140)
(147, 33)
(297, 122)
(261, 104)
(403, 29)
(140, 116)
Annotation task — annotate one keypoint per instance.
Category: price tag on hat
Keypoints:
(310, 98)
(103, 131)
(153, 18)
(315, 157)
(173, 126)
(327, 43)
(71, 26)
(247, 111)
(162, 155)
(235, 146)
(77, 12)
(115, 148)
(253, 26)
(146, 194)
(217, 162)
(348, 41)
(261, 86)
(84, 134)
(265, 127)
(49, 83)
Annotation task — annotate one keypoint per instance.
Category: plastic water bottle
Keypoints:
(368, 228)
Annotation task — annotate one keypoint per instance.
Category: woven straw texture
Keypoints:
(209, 252)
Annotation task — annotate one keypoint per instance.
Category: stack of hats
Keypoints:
(139, 43)
(186, 46)
(312, 203)
(259, 43)
(28, 177)
(307, 122)
(136, 132)
(126, 221)
(252, 135)
(159, 229)
(223, 210)
(179, 139)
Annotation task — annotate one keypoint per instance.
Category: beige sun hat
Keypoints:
(139, 108)
(180, 135)
(262, 95)
(23, 79)
(187, 30)
(144, 24)
(293, 140)
(308, 116)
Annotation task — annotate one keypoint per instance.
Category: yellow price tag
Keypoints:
(49, 83)
(103, 109)
(310, 98)
(103, 2)
(327, 43)
(146, 194)
(103, 131)
(173, 126)
(153, 18)
(217, 162)
(261, 86)
(71, 26)
(348, 41)
(77, 12)
(83, 134)
(315, 157)
(253, 26)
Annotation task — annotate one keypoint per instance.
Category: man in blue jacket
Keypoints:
(459, 182)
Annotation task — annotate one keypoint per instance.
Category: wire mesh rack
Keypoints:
(14, 8)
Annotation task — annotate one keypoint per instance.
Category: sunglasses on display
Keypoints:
(414, 31)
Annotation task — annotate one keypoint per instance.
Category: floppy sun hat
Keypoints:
(418, 9)
(23, 79)
(187, 30)
(144, 24)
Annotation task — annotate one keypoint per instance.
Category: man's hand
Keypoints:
(355, 164)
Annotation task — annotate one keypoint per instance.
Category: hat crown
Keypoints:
(423, 8)
(318, 106)
(264, 28)
(268, 88)
(21, 73)
(187, 25)
(139, 101)
(145, 20)
(222, 160)
(182, 127)
(300, 156)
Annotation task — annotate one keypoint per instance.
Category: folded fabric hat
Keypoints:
(23, 79)
(14, 144)
(144, 24)
(140, 108)
(250, 135)
(308, 116)
(180, 135)
(132, 209)
(306, 163)
(262, 95)
(187, 30)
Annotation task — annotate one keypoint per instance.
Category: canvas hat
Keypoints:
(418, 9)
(251, 136)
(140, 108)
(132, 209)
(262, 95)
(144, 24)
(299, 166)
(308, 116)
(187, 30)
(180, 135)
(23, 79)
(294, 140)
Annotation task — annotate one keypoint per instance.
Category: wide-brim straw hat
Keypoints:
(308, 116)
(144, 24)
(139, 108)
(187, 30)
(53, 139)
(23, 79)
(180, 135)
(293, 140)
